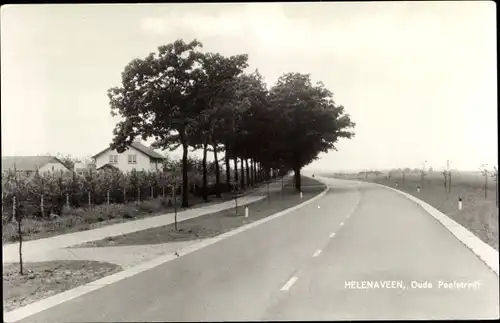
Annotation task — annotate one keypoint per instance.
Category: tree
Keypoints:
(308, 114)
(218, 79)
(67, 161)
(17, 187)
(160, 98)
(486, 173)
(423, 173)
(445, 175)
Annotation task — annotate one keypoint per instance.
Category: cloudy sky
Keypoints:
(418, 78)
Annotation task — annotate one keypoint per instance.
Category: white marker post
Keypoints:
(418, 188)
(460, 203)
(246, 211)
(397, 184)
(301, 195)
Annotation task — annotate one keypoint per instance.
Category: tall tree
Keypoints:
(159, 98)
(310, 121)
(218, 78)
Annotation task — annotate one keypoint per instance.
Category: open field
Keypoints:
(479, 213)
(211, 225)
(45, 279)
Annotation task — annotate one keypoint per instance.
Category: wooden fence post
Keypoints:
(67, 200)
(41, 205)
(107, 195)
(163, 191)
(138, 194)
(90, 204)
(152, 192)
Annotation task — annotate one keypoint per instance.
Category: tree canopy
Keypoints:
(183, 97)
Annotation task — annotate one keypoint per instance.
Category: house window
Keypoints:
(113, 159)
(132, 159)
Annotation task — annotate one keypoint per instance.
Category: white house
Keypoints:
(30, 164)
(137, 156)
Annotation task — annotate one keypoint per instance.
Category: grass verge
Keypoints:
(82, 219)
(44, 279)
(479, 215)
(211, 225)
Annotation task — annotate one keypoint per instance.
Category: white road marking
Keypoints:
(317, 253)
(289, 283)
(51, 301)
(332, 235)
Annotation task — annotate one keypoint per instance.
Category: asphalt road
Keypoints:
(311, 264)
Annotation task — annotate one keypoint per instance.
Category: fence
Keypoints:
(43, 194)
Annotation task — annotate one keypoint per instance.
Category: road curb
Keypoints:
(44, 304)
(481, 249)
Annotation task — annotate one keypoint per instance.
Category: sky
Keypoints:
(417, 78)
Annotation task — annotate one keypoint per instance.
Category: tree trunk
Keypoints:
(256, 166)
(252, 171)
(297, 178)
(486, 186)
(242, 174)
(249, 183)
(236, 170)
(228, 169)
(185, 184)
(204, 164)
(217, 173)
(20, 235)
(258, 173)
(18, 217)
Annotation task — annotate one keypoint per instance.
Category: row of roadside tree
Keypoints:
(183, 97)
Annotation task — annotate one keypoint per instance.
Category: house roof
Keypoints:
(27, 163)
(142, 148)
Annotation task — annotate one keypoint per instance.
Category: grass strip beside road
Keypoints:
(82, 219)
(212, 225)
(44, 279)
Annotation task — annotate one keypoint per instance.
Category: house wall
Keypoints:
(143, 161)
(52, 167)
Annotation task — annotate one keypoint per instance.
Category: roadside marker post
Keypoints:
(418, 188)
(460, 203)
(246, 211)
(301, 195)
